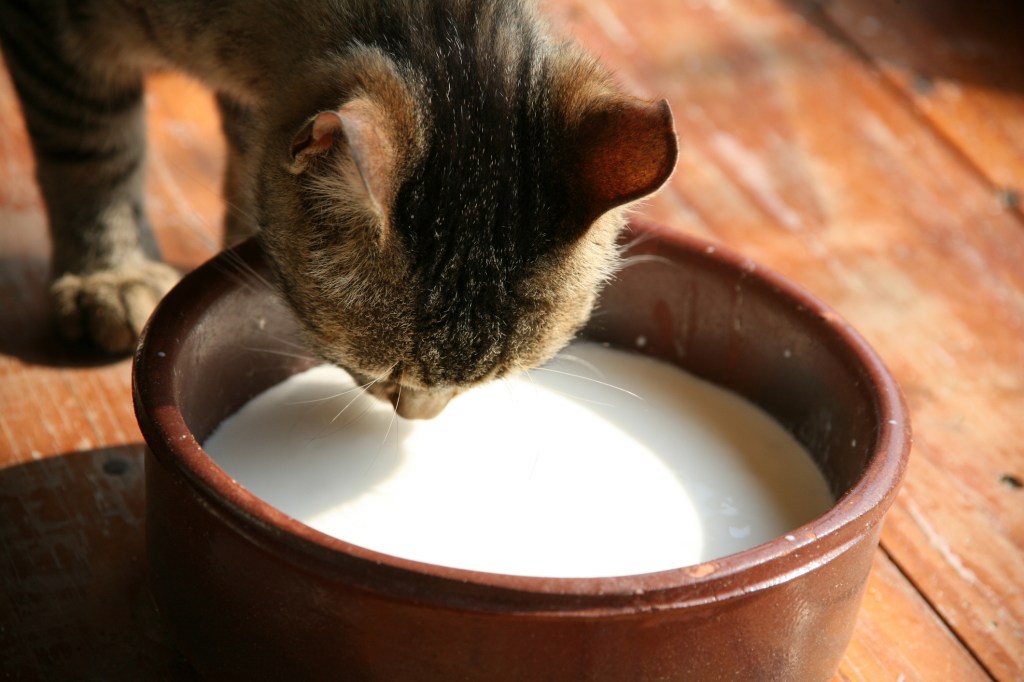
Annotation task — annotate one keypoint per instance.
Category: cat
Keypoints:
(438, 184)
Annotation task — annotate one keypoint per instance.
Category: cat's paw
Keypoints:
(110, 307)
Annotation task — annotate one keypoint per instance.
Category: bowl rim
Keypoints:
(776, 561)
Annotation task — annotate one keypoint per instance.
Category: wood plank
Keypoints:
(899, 637)
(965, 557)
(825, 173)
(961, 65)
(75, 603)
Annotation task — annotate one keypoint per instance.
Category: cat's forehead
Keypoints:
(486, 176)
(485, 184)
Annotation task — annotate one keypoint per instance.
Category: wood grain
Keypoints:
(899, 636)
(959, 65)
(861, 149)
(823, 170)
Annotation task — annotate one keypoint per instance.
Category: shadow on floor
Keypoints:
(977, 42)
(76, 602)
(26, 330)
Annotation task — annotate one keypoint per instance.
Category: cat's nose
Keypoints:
(412, 403)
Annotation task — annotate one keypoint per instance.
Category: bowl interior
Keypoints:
(223, 336)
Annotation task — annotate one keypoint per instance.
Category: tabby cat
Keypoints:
(438, 184)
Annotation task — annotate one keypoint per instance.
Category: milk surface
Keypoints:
(603, 463)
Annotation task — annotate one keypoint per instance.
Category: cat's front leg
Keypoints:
(106, 277)
(88, 132)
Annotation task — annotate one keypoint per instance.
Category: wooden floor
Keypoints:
(872, 151)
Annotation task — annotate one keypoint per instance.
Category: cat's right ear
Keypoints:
(353, 130)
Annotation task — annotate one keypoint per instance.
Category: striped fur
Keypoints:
(451, 221)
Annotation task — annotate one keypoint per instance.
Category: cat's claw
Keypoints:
(110, 307)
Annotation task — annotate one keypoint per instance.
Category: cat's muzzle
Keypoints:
(414, 403)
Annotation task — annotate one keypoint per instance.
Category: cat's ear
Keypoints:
(355, 130)
(621, 150)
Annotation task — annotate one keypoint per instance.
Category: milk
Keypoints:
(603, 463)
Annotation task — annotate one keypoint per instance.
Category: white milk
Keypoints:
(632, 466)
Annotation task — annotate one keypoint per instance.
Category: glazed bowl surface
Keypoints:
(249, 593)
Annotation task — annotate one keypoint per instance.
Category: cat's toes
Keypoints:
(110, 307)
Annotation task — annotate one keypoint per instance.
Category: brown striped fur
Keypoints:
(439, 184)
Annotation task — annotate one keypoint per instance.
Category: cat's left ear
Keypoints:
(354, 130)
(622, 150)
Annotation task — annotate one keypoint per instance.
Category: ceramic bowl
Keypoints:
(248, 593)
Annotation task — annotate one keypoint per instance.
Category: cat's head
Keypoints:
(435, 231)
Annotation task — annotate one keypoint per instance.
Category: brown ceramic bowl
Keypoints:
(249, 593)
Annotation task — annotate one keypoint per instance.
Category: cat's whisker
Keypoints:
(331, 431)
(579, 398)
(394, 415)
(526, 373)
(360, 392)
(590, 379)
(182, 171)
(508, 388)
(285, 341)
(363, 391)
(630, 261)
(325, 398)
(314, 403)
(387, 433)
(282, 353)
(290, 344)
(246, 270)
(249, 281)
(585, 363)
(636, 241)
